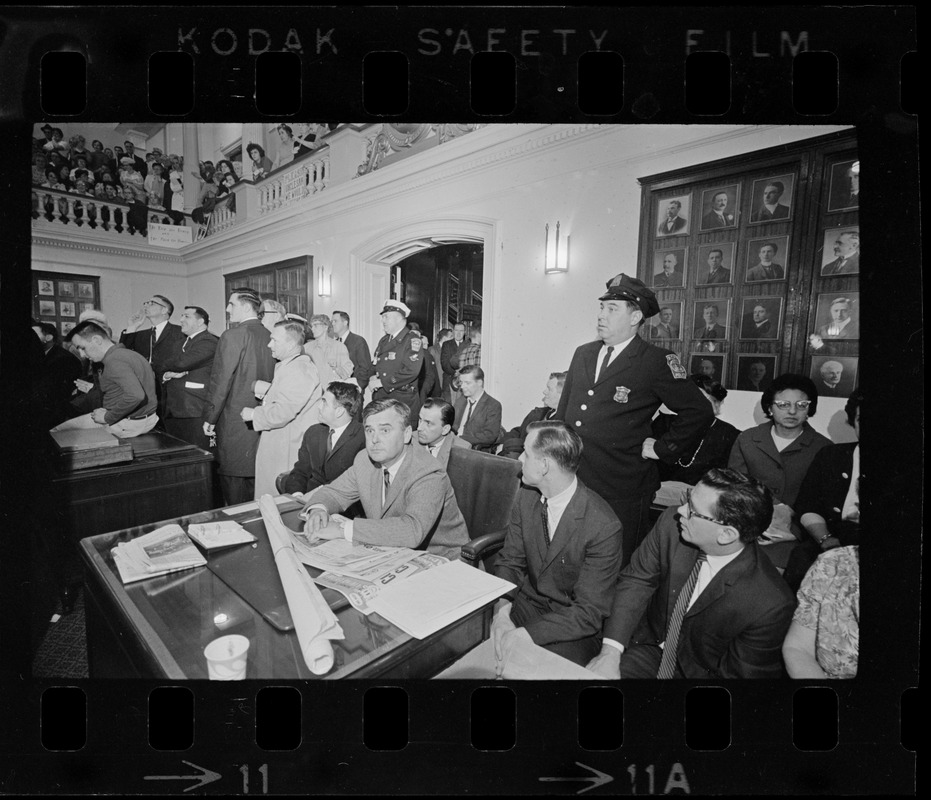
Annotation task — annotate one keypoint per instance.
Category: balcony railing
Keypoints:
(308, 176)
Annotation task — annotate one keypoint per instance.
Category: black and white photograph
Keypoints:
(719, 207)
(834, 376)
(837, 315)
(844, 194)
(66, 328)
(669, 268)
(85, 291)
(672, 214)
(47, 308)
(711, 365)
(711, 319)
(667, 325)
(716, 263)
(772, 198)
(767, 259)
(47, 288)
(82, 307)
(761, 318)
(841, 251)
(66, 289)
(66, 308)
(755, 372)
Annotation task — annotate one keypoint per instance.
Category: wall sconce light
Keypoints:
(554, 258)
(323, 283)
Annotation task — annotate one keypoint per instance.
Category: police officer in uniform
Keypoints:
(397, 361)
(613, 388)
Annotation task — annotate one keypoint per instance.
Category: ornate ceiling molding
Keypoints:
(104, 248)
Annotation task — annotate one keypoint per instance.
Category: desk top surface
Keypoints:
(176, 616)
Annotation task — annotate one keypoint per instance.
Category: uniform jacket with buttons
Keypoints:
(397, 365)
(755, 454)
(613, 415)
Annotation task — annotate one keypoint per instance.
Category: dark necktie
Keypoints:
(151, 345)
(329, 443)
(186, 343)
(387, 484)
(546, 523)
(604, 363)
(468, 414)
(667, 666)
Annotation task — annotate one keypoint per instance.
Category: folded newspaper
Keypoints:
(215, 535)
(167, 549)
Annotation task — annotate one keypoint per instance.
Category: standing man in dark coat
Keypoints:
(397, 360)
(242, 357)
(187, 372)
(613, 388)
(59, 370)
(156, 342)
(452, 347)
(362, 369)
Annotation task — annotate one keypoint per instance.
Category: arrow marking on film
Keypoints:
(206, 776)
(598, 778)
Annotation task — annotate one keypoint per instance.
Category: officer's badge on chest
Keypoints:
(621, 394)
(391, 356)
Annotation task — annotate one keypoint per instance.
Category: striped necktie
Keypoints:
(667, 666)
(546, 523)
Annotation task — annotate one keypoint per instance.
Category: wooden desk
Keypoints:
(167, 477)
(158, 628)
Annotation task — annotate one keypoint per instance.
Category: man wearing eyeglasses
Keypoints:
(155, 342)
(699, 599)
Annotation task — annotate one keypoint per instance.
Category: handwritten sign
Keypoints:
(169, 235)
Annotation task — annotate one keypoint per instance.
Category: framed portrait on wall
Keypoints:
(840, 253)
(771, 199)
(47, 288)
(767, 259)
(719, 207)
(834, 376)
(844, 191)
(761, 318)
(67, 327)
(716, 264)
(673, 215)
(669, 268)
(85, 291)
(837, 315)
(712, 365)
(66, 308)
(66, 288)
(755, 372)
(711, 319)
(667, 325)
(47, 308)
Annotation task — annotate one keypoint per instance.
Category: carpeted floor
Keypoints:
(62, 652)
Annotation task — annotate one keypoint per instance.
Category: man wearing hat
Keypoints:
(397, 362)
(613, 388)
(47, 130)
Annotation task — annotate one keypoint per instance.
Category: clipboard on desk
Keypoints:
(252, 573)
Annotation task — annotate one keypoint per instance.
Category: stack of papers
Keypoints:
(435, 598)
(215, 535)
(165, 550)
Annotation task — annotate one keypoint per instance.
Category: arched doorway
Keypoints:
(376, 264)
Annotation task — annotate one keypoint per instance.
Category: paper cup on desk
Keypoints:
(226, 658)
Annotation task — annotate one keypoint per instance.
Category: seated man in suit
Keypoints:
(406, 495)
(513, 444)
(328, 449)
(699, 599)
(435, 432)
(562, 551)
(185, 379)
(478, 414)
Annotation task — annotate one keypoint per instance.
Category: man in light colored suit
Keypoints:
(478, 414)
(289, 406)
(358, 348)
(562, 551)
(435, 432)
(406, 495)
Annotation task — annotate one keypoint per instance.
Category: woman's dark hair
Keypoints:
(253, 146)
(709, 385)
(231, 170)
(853, 403)
(286, 129)
(790, 381)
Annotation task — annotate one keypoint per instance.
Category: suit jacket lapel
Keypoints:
(400, 479)
(566, 529)
(729, 573)
(621, 363)
(347, 435)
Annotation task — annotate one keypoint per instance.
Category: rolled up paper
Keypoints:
(314, 623)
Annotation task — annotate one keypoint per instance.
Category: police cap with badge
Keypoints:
(401, 308)
(623, 287)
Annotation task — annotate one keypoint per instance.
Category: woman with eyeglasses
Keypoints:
(778, 454)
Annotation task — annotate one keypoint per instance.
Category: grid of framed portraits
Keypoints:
(60, 299)
(755, 261)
